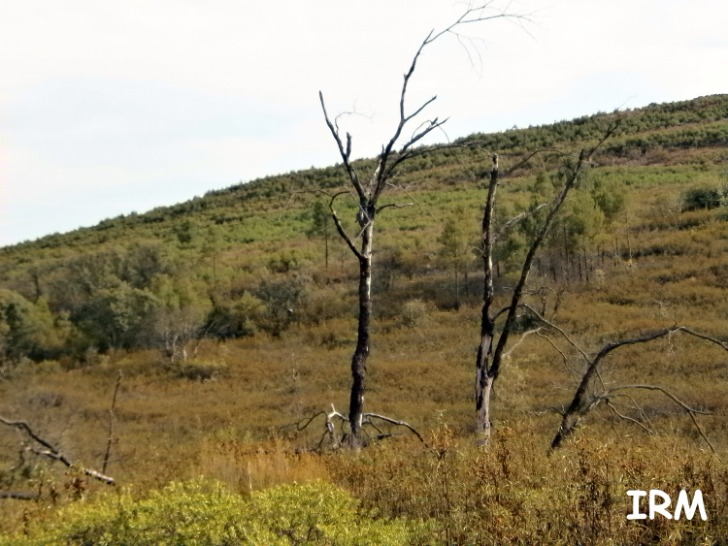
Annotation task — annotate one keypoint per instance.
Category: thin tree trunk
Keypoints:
(483, 381)
(361, 353)
(326, 249)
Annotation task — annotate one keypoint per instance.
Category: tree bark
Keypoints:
(483, 380)
(361, 353)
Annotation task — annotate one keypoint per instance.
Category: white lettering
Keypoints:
(636, 494)
(659, 508)
(659, 502)
(697, 504)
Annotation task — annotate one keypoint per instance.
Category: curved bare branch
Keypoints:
(582, 403)
(52, 452)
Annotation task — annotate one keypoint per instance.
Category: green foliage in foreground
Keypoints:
(205, 513)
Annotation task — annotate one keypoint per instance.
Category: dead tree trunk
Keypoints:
(490, 353)
(483, 378)
(367, 192)
(361, 353)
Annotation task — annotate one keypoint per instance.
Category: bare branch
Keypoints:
(563, 356)
(626, 417)
(395, 206)
(344, 151)
(518, 219)
(520, 340)
(52, 452)
(470, 16)
(305, 422)
(664, 391)
(690, 411)
(581, 404)
(559, 330)
(526, 159)
(396, 422)
(340, 228)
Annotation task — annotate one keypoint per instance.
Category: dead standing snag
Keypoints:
(368, 190)
(492, 346)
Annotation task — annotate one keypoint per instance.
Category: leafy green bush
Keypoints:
(205, 513)
(701, 198)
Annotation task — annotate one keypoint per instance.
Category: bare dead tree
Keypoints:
(45, 448)
(112, 421)
(585, 400)
(368, 189)
(492, 346)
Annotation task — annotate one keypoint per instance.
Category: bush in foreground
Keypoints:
(205, 513)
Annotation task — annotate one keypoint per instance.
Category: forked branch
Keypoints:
(583, 402)
(49, 450)
(334, 419)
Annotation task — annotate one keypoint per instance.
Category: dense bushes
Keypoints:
(205, 513)
(703, 198)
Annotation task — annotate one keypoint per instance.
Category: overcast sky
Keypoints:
(110, 106)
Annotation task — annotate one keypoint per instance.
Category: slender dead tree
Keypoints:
(368, 189)
(492, 346)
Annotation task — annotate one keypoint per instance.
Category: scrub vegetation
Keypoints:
(182, 351)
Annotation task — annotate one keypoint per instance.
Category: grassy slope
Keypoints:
(669, 267)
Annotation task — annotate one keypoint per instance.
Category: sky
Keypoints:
(109, 107)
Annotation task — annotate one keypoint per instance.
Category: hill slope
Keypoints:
(227, 324)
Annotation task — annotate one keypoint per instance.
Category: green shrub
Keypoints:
(701, 198)
(204, 513)
(414, 313)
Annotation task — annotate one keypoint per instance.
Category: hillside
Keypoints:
(232, 315)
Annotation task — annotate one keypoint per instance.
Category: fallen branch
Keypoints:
(583, 403)
(52, 452)
(369, 416)
(19, 495)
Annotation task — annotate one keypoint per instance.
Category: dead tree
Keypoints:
(367, 191)
(586, 399)
(492, 346)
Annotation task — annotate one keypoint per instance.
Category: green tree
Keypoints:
(29, 329)
(455, 250)
(321, 226)
(283, 301)
(702, 198)
(239, 318)
(116, 316)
